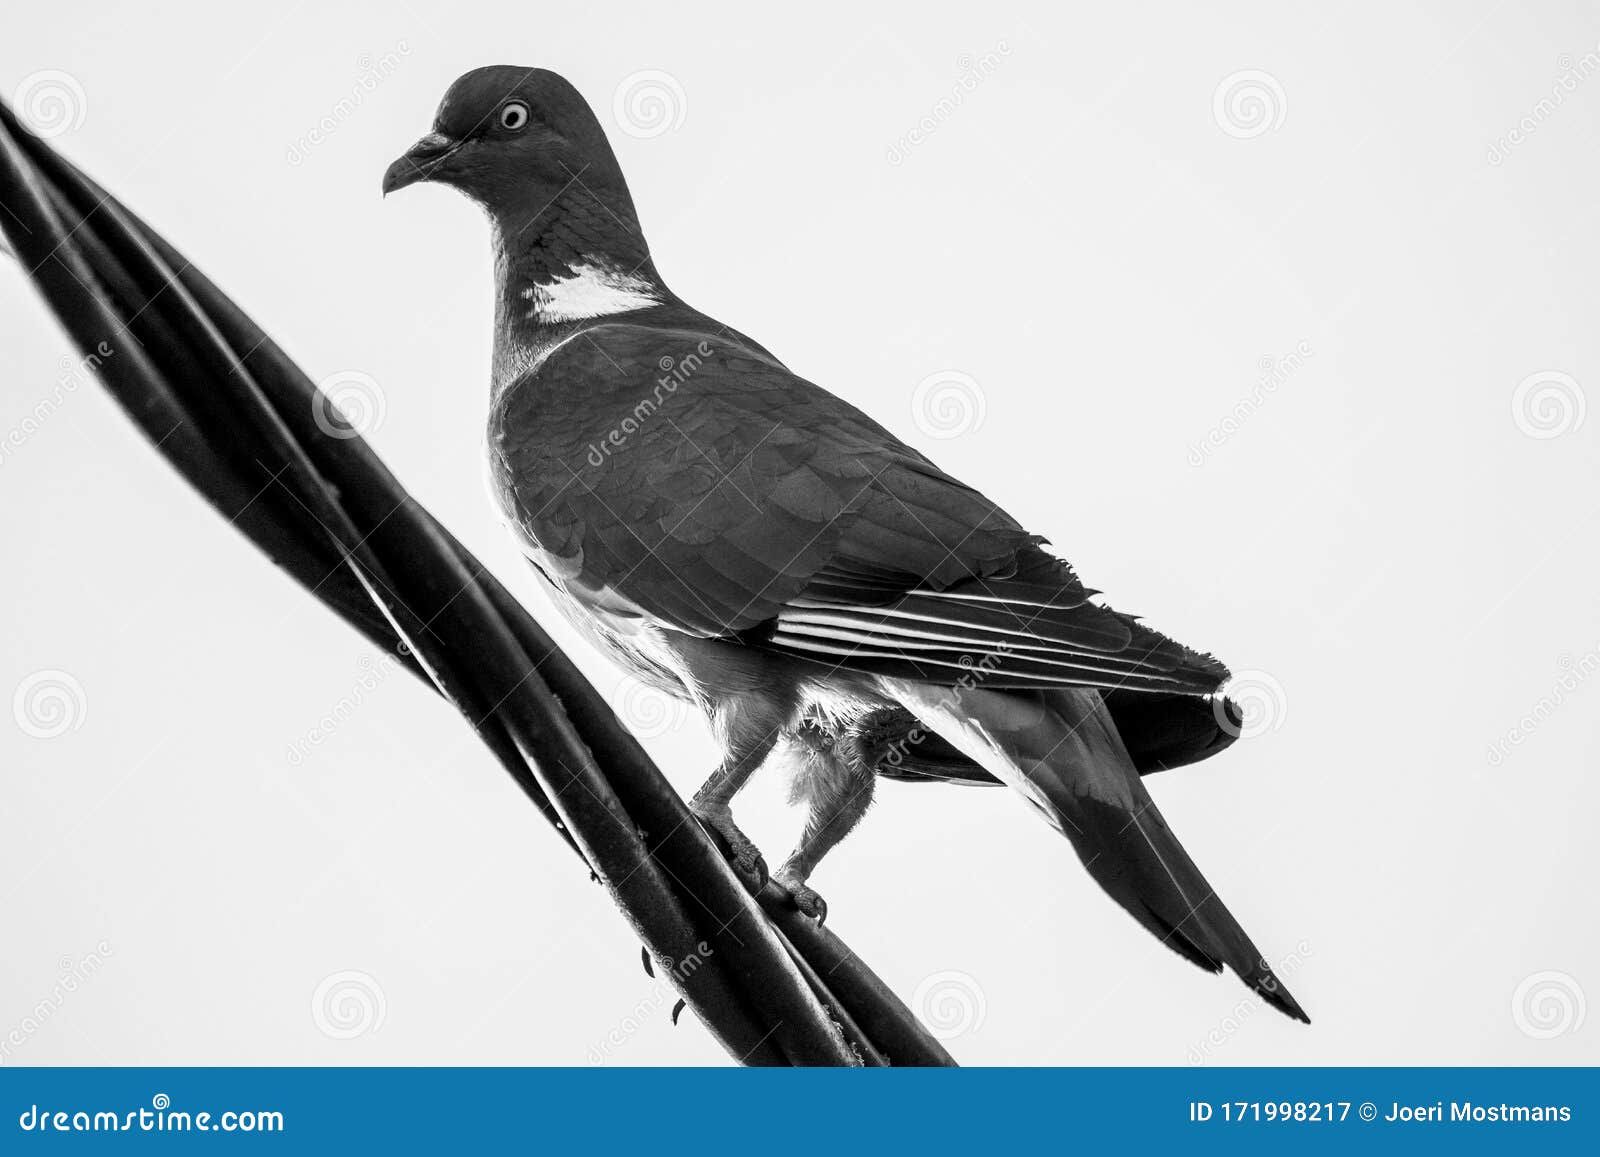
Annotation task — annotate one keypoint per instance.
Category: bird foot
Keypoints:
(740, 850)
(803, 896)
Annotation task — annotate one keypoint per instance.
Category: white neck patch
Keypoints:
(593, 290)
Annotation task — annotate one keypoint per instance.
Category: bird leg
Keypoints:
(713, 803)
(835, 783)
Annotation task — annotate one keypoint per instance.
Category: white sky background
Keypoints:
(1109, 266)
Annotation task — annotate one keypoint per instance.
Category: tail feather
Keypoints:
(1061, 750)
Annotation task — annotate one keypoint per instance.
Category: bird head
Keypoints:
(512, 139)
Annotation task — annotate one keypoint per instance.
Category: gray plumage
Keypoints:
(737, 536)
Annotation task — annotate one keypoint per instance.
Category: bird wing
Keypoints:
(726, 497)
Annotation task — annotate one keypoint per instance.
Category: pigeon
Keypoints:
(741, 539)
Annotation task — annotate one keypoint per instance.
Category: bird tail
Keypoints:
(1061, 751)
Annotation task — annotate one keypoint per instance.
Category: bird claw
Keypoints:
(751, 868)
(738, 849)
(803, 896)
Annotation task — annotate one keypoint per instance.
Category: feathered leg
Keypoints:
(835, 782)
(749, 727)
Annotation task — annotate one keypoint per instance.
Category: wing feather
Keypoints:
(751, 504)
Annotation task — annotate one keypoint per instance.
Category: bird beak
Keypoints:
(420, 162)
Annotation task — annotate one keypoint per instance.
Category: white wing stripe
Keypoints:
(1052, 656)
(878, 612)
(1130, 679)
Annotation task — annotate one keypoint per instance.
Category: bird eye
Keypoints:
(513, 115)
